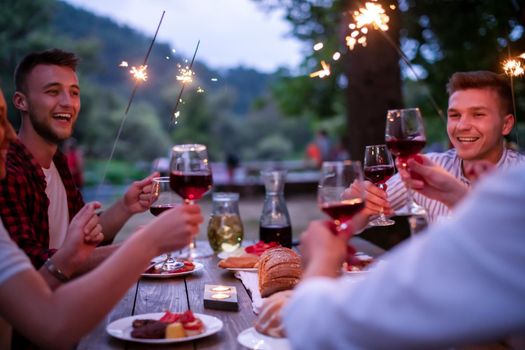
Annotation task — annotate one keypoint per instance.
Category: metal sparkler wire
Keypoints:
(131, 97)
(411, 67)
(175, 110)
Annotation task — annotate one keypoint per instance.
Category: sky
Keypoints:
(232, 32)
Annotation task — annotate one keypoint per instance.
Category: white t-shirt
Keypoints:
(460, 282)
(451, 162)
(58, 212)
(12, 259)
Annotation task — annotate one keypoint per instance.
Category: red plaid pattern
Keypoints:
(24, 203)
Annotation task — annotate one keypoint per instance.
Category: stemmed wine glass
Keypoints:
(163, 199)
(405, 137)
(379, 167)
(190, 178)
(341, 191)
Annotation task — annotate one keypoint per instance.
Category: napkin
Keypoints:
(250, 280)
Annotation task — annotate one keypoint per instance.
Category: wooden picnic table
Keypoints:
(180, 294)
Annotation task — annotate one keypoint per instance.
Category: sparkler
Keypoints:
(513, 68)
(186, 75)
(372, 15)
(140, 73)
(139, 77)
(323, 72)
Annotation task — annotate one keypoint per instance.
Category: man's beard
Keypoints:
(45, 131)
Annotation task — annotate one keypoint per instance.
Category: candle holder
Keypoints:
(220, 297)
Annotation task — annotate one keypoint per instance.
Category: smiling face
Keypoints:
(476, 124)
(51, 101)
(7, 134)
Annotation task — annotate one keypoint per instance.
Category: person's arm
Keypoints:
(432, 181)
(461, 282)
(58, 319)
(137, 199)
(84, 234)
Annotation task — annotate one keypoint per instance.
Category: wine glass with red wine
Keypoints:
(405, 137)
(163, 199)
(379, 167)
(336, 177)
(190, 178)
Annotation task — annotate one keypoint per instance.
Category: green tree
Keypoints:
(366, 81)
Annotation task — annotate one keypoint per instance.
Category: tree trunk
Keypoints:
(374, 86)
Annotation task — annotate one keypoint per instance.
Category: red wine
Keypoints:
(276, 233)
(344, 210)
(191, 186)
(379, 174)
(159, 209)
(405, 148)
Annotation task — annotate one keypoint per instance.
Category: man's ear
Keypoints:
(20, 101)
(508, 124)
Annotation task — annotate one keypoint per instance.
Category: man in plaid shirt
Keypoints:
(38, 197)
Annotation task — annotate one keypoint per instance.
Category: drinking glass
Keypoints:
(379, 167)
(405, 137)
(190, 178)
(332, 195)
(163, 199)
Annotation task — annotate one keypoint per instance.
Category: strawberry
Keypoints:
(187, 317)
(260, 247)
(170, 317)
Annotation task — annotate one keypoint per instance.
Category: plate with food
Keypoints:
(255, 249)
(252, 339)
(164, 327)
(157, 269)
(358, 265)
(243, 262)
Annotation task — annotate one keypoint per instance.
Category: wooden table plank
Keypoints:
(159, 295)
(234, 321)
(98, 338)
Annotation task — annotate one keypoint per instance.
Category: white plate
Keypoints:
(255, 340)
(236, 252)
(122, 328)
(198, 266)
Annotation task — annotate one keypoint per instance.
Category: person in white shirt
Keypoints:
(461, 282)
(50, 318)
(480, 114)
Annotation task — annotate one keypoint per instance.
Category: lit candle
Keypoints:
(220, 289)
(220, 296)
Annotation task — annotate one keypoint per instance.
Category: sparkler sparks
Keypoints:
(185, 75)
(371, 16)
(140, 73)
(124, 64)
(513, 67)
(324, 72)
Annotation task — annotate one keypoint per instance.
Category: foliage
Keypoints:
(438, 38)
(225, 117)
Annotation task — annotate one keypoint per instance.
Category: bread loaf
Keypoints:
(279, 269)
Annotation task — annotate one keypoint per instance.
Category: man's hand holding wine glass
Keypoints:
(323, 251)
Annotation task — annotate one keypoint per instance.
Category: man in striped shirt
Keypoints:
(480, 114)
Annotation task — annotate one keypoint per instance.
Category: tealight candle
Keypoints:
(220, 296)
(217, 296)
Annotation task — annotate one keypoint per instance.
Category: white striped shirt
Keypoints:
(450, 161)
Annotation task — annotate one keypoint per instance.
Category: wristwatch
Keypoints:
(55, 271)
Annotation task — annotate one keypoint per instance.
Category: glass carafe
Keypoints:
(275, 225)
(225, 230)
